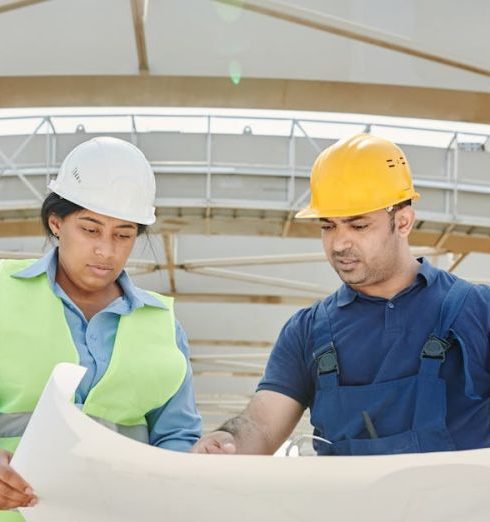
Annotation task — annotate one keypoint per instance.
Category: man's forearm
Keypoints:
(249, 437)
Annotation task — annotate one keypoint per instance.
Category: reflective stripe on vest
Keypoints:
(139, 432)
(14, 425)
(146, 367)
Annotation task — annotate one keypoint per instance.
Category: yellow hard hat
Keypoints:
(356, 176)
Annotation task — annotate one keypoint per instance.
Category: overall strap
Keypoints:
(434, 350)
(324, 351)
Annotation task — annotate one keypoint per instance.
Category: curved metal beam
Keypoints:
(183, 91)
(18, 4)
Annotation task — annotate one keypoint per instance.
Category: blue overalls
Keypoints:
(406, 415)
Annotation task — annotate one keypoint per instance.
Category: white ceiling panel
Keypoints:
(204, 38)
(439, 26)
(68, 37)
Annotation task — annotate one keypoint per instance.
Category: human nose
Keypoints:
(341, 241)
(104, 248)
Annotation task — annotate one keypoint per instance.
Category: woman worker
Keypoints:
(77, 304)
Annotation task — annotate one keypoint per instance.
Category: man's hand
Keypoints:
(14, 490)
(215, 442)
(260, 429)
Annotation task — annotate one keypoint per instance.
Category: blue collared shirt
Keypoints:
(176, 425)
(379, 340)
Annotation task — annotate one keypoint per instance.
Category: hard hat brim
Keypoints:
(306, 213)
(149, 220)
(311, 213)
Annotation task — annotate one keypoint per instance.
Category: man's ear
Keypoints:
(404, 220)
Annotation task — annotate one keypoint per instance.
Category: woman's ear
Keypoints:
(54, 223)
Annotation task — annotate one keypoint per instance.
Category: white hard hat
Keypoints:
(108, 176)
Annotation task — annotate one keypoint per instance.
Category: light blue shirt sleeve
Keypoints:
(177, 425)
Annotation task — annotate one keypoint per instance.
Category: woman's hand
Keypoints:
(14, 490)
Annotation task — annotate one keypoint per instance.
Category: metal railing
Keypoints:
(314, 132)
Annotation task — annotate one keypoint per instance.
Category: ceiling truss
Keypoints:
(18, 4)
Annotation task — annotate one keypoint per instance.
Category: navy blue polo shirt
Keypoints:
(380, 340)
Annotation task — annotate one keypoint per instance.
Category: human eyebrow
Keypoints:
(97, 222)
(347, 220)
(91, 220)
(127, 225)
(355, 218)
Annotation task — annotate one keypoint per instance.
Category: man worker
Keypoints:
(397, 359)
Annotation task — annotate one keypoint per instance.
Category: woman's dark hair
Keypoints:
(54, 204)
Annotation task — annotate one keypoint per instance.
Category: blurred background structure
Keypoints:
(231, 100)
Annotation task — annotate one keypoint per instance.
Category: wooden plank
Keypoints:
(169, 254)
(21, 228)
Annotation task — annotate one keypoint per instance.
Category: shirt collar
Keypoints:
(45, 265)
(425, 273)
(345, 295)
(48, 264)
(136, 296)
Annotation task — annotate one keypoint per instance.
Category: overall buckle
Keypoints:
(327, 360)
(435, 348)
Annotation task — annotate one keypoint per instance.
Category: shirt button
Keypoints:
(391, 305)
(93, 337)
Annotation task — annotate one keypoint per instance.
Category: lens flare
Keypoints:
(235, 72)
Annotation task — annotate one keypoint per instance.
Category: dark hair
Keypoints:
(54, 204)
(394, 209)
